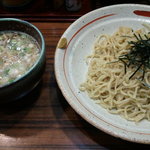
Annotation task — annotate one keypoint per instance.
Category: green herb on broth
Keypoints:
(18, 53)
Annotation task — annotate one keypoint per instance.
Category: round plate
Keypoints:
(71, 68)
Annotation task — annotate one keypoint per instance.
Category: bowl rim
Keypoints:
(42, 49)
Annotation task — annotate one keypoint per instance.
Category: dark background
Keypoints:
(55, 10)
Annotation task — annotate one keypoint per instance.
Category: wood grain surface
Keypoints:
(45, 10)
(43, 120)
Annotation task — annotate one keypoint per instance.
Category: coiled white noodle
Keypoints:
(107, 83)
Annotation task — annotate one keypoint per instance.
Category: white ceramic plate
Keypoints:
(70, 67)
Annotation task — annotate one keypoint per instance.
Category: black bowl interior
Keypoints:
(21, 26)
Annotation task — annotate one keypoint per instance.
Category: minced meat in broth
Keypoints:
(18, 53)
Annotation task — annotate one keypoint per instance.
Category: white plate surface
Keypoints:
(70, 67)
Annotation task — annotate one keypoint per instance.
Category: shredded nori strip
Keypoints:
(138, 56)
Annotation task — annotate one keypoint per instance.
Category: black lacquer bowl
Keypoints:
(26, 83)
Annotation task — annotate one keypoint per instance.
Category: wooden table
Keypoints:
(45, 121)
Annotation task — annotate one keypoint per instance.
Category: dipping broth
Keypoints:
(18, 53)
